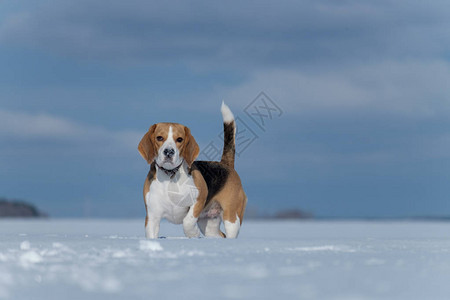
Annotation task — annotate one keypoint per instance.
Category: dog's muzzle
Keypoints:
(169, 152)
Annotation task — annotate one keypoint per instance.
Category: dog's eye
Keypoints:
(159, 138)
(179, 140)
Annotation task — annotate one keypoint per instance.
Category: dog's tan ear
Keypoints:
(147, 147)
(191, 148)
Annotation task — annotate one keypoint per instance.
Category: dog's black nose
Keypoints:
(169, 152)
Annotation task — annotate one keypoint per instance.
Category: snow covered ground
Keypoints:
(109, 259)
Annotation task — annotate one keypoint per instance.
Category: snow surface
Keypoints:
(110, 259)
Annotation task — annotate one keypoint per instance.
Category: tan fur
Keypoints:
(203, 192)
(232, 198)
(190, 149)
(147, 147)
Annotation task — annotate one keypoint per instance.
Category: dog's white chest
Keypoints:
(171, 198)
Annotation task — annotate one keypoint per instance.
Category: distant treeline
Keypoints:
(254, 213)
(18, 208)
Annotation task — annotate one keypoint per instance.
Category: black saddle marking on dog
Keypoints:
(215, 176)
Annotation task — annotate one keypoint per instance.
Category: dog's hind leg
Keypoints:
(210, 227)
(232, 217)
(232, 226)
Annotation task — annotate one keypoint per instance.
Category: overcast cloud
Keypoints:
(252, 34)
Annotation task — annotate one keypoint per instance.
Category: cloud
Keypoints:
(290, 33)
(22, 127)
(379, 114)
(411, 89)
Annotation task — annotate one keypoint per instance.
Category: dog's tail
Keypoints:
(229, 132)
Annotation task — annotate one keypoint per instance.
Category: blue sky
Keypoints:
(363, 87)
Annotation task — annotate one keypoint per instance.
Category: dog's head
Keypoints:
(169, 144)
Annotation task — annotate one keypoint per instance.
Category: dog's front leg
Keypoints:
(152, 227)
(190, 224)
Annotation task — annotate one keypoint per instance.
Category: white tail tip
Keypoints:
(227, 115)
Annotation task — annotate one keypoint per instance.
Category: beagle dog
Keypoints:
(198, 194)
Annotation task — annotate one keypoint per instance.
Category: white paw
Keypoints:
(192, 232)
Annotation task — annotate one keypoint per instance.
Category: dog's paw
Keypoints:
(193, 232)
